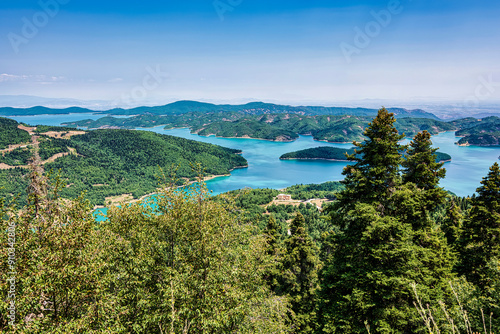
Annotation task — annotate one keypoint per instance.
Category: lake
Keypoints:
(464, 174)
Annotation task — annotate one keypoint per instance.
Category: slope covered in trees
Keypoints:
(107, 163)
(331, 128)
(484, 132)
(10, 134)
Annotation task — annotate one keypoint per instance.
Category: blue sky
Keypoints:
(150, 52)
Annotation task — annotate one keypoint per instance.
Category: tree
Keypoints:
(422, 170)
(376, 171)
(51, 265)
(481, 231)
(386, 240)
(452, 224)
(367, 278)
(420, 166)
(275, 251)
(300, 276)
(186, 263)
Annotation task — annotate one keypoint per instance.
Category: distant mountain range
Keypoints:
(253, 108)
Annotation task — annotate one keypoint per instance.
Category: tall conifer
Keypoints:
(376, 170)
(300, 276)
(386, 240)
(274, 250)
(481, 235)
(420, 164)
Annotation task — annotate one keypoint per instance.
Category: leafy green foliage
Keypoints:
(309, 191)
(188, 264)
(55, 272)
(376, 171)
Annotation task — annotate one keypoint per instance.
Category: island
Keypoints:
(319, 153)
(329, 153)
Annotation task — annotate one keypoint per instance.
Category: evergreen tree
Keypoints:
(452, 224)
(421, 169)
(300, 276)
(274, 250)
(420, 166)
(481, 233)
(376, 171)
(386, 241)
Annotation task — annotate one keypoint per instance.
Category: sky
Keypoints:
(231, 51)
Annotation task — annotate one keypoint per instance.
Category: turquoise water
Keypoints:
(464, 174)
(55, 120)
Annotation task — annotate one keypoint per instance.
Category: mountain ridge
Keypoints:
(186, 106)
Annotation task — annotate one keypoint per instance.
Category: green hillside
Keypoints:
(246, 128)
(10, 134)
(108, 163)
(331, 128)
(484, 132)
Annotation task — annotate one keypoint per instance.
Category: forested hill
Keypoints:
(253, 108)
(484, 132)
(337, 154)
(107, 163)
(10, 134)
(286, 127)
(282, 127)
(319, 153)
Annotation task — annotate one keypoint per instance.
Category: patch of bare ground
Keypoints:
(13, 147)
(30, 130)
(51, 159)
(318, 202)
(63, 134)
(5, 166)
(119, 199)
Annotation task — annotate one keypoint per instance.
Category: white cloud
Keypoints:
(114, 80)
(5, 77)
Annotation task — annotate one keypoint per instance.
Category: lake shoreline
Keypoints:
(123, 199)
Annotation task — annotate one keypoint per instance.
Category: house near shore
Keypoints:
(284, 197)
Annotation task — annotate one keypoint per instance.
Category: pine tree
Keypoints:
(376, 171)
(300, 276)
(480, 241)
